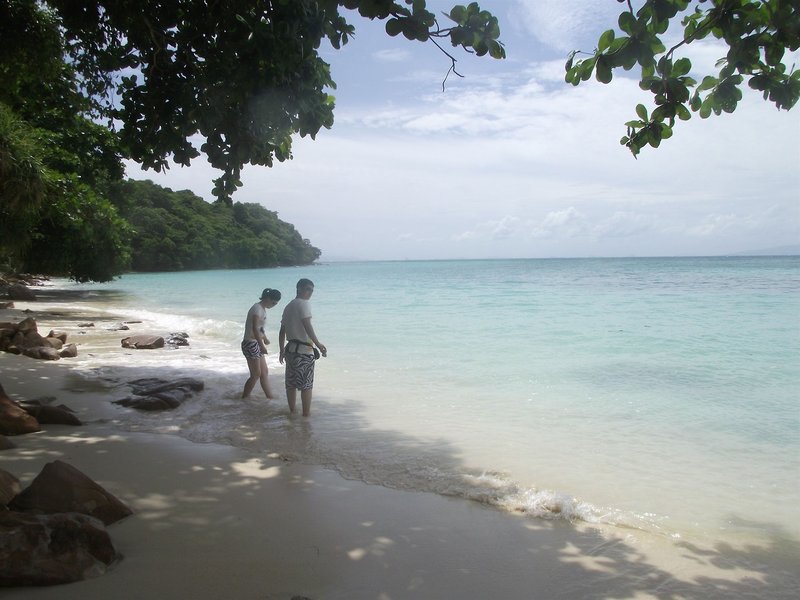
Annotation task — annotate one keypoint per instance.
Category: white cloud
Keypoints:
(392, 55)
(568, 223)
(624, 224)
(566, 25)
(500, 229)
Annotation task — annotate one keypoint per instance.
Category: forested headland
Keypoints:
(173, 231)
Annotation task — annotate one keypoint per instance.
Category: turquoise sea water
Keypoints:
(659, 394)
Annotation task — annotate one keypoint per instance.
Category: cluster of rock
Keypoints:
(158, 394)
(151, 342)
(18, 418)
(16, 287)
(24, 338)
(53, 531)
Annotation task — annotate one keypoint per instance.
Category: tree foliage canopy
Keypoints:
(244, 75)
(757, 34)
(52, 158)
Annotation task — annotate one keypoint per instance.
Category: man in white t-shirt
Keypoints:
(298, 351)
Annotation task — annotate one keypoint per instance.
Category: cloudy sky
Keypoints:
(510, 161)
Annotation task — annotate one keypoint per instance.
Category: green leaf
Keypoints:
(496, 50)
(681, 67)
(586, 67)
(603, 72)
(394, 27)
(641, 111)
(605, 40)
(627, 22)
(459, 14)
(708, 83)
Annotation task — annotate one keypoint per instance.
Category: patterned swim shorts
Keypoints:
(299, 371)
(251, 349)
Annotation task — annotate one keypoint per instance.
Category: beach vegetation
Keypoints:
(53, 158)
(756, 34)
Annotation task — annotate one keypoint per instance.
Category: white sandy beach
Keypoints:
(215, 522)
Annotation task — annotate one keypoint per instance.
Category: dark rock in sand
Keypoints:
(69, 351)
(157, 394)
(53, 342)
(24, 338)
(146, 403)
(42, 352)
(32, 339)
(85, 324)
(13, 419)
(50, 415)
(148, 387)
(9, 487)
(52, 549)
(5, 305)
(18, 291)
(5, 443)
(60, 487)
(62, 335)
(177, 339)
(143, 342)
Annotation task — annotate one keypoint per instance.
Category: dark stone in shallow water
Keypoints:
(158, 394)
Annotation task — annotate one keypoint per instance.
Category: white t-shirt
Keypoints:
(259, 313)
(292, 321)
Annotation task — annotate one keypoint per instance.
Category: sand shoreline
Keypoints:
(214, 521)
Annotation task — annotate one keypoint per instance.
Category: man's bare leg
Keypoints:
(291, 398)
(305, 396)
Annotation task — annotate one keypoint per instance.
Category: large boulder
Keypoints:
(52, 549)
(53, 342)
(158, 394)
(60, 487)
(147, 403)
(42, 353)
(143, 342)
(176, 340)
(26, 325)
(150, 386)
(9, 487)
(50, 415)
(13, 419)
(69, 351)
(24, 338)
(18, 291)
(61, 335)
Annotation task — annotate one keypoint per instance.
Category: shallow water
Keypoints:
(659, 394)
